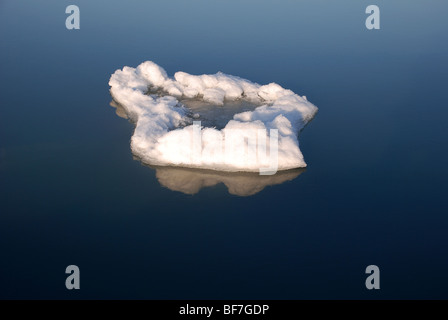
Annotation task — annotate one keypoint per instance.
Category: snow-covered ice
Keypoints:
(166, 135)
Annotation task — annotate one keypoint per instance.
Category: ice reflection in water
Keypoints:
(191, 181)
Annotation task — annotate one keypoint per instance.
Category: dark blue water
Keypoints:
(374, 191)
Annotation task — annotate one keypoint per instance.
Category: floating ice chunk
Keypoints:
(165, 136)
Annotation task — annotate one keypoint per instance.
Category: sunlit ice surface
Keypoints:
(211, 121)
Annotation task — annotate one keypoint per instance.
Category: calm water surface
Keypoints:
(374, 191)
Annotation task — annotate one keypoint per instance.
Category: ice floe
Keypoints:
(263, 137)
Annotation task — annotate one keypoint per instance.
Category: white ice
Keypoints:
(164, 132)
